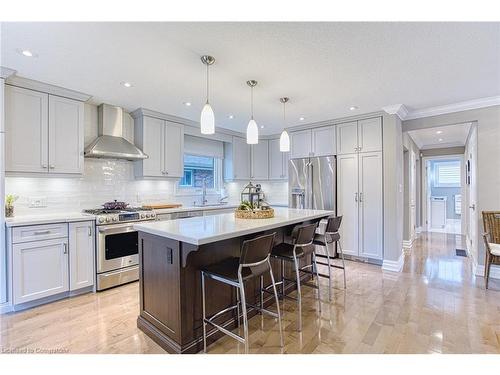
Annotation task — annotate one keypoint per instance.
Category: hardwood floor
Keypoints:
(435, 305)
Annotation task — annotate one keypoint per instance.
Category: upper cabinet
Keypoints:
(237, 159)
(260, 160)
(48, 126)
(163, 142)
(313, 142)
(359, 136)
(278, 161)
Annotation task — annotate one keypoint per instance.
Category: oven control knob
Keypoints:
(101, 220)
(143, 216)
(148, 215)
(114, 219)
(107, 220)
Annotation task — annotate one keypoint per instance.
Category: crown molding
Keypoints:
(31, 84)
(455, 107)
(6, 72)
(397, 109)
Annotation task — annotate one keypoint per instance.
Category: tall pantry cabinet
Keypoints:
(360, 187)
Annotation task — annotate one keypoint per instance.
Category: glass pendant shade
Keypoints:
(284, 141)
(252, 133)
(207, 120)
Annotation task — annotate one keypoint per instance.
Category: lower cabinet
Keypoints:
(46, 267)
(40, 269)
(81, 255)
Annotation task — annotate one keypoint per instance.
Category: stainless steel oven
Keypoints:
(117, 245)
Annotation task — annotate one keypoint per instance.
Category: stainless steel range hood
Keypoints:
(110, 142)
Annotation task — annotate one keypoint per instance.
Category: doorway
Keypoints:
(442, 190)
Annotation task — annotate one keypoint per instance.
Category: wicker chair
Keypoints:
(491, 222)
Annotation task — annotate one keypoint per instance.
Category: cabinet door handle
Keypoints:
(355, 197)
(40, 232)
(90, 232)
(52, 166)
(65, 248)
(361, 197)
(166, 172)
(44, 166)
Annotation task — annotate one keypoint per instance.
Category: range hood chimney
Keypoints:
(110, 142)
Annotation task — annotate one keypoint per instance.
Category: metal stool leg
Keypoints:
(238, 306)
(343, 262)
(261, 293)
(277, 305)
(283, 278)
(327, 253)
(204, 312)
(244, 308)
(299, 294)
(317, 278)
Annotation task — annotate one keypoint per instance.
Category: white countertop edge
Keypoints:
(25, 220)
(142, 227)
(192, 208)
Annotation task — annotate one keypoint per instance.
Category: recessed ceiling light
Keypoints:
(187, 104)
(26, 52)
(439, 132)
(440, 139)
(230, 117)
(353, 108)
(262, 126)
(302, 118)
(126, 84)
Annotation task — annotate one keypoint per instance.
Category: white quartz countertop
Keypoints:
(194, 208)
(49, 218)
(205, 229)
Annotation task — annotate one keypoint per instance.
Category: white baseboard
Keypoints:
(418, 229)
(394, 265)
(6, 308)
(408, 244)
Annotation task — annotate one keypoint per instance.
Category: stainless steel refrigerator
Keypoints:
(311, 183)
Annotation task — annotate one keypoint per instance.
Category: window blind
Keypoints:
(448, 174)
(203, 147)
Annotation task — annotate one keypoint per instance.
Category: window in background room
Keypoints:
(198, 169)
(447, 174)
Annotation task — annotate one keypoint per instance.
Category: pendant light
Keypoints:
(284, 138)
(207, 118)
(252, 128)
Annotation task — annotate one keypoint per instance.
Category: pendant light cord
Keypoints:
(251, 101)
(207, 83)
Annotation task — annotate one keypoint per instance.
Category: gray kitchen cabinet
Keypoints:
(49, 126)
(40, 269)
(259, 160)
(313, 142)
(278, 161)
(81, 255)
(163, 142)
(237, 159)
(360, 136)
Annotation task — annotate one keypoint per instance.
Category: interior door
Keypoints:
(370, 203)
(65, 135)
(347, 201)
(413, 193)
(472, 190)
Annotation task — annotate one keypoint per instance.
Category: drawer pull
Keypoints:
(40, 232)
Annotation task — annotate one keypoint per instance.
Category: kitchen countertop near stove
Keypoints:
(49, 218)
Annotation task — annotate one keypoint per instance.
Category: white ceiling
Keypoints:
(450, 135)
(323, 67)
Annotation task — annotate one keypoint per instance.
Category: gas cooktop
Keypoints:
(106, 216)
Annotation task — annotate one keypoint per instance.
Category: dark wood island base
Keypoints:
(170, 288)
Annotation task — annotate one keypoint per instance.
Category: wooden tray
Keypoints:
(258, 214)
(158, 206)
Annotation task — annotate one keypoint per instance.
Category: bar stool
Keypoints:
(253, 262)
(331, 236)
(302, 238)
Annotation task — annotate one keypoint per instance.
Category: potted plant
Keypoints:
(9, 204)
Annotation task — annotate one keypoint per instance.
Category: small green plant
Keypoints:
(245, 205)
(10, 199)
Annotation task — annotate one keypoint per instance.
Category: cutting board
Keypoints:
(158, 206)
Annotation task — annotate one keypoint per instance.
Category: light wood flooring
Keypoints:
(435, 305)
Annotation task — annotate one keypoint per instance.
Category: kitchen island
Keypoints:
(170, 256)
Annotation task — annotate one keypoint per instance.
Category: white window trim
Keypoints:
(219, 183)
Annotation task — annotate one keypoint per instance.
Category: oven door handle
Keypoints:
(118, 228)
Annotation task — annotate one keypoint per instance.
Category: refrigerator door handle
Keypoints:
(310, 200)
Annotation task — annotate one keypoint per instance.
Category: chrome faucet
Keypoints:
(204, 192)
